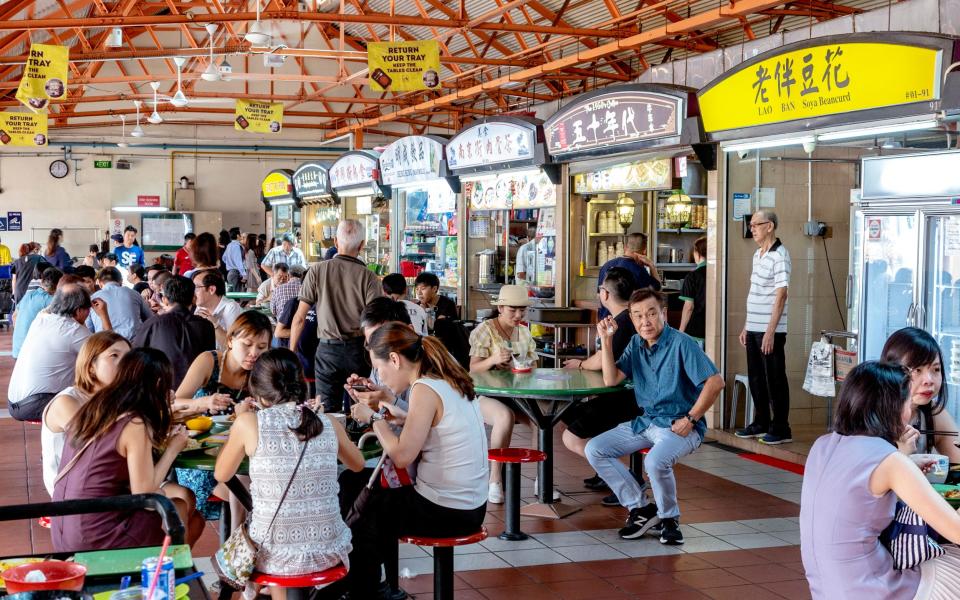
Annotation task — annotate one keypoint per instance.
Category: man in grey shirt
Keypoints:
(340, 288)
(128, 310)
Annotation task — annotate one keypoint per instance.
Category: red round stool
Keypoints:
(512, 458)
(299, 587)
(34, 422)
(443, 558)
(636, 465)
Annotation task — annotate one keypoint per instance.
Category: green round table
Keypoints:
(544, 395)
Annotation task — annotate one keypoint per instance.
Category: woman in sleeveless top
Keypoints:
(308, 534)
(109, 452)
(96, 367)
(214, 384)
(444, 428)
(917, 351)
(850, 488)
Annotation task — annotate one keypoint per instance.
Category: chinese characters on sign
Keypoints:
(821, 80)
(276, 185)
(413, 158)
(353, 169)
(310, 182)
(612, 119)
(490, 143)
(647, 175)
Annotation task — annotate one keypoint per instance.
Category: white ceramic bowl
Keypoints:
(938, 474)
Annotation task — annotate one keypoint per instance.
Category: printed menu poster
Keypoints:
(256, 116)
(23, 129)
(44, 76)
(404, 66)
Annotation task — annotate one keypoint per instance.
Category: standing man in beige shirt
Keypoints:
(339, 289)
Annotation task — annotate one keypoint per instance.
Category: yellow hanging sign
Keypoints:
(821, 80)
(258, 117)
(44, 76)
(404, 66)
(277, 184)
(23, 129)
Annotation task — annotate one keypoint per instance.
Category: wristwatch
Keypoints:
(376, 417)
(690, 418)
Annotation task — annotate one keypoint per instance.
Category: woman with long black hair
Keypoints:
(443, 429)
(308, 534)
(109, 452)
(915, 350)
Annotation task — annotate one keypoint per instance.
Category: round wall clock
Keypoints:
(59, 169)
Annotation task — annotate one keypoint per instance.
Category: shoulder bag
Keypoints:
(236, 560)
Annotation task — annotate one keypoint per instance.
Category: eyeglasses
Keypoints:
(755, 225)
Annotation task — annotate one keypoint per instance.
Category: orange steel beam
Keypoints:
(372, 18)
(167, 109)
(701, 21)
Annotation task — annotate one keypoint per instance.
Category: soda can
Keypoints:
(166, 580)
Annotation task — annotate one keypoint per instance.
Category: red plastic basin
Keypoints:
(60, 575)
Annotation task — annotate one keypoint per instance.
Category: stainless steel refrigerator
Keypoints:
(905, 255)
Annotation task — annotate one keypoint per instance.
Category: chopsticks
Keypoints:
(935, 432)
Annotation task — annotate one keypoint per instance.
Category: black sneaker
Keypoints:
(772, 439)
(670, 533)
(595, 483)
(656, 529)
(751, 431)
(610, 500)
(639, 522)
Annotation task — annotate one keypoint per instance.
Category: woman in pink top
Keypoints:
(850, 488)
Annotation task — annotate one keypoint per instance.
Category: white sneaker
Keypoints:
(495, 494)
(536, 490)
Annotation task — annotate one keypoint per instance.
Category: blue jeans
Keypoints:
(666, 448)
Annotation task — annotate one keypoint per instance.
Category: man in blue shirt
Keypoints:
(129, 253)
(675, 384)
(31, 304)
(635, 260)
(233, 260)
(127, 309)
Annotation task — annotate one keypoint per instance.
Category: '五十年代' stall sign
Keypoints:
(44, 76)
(404, 66)
(820, 80)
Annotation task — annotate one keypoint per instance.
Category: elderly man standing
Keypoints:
(340, 288)
(49, 354)
(286, 252)
(128, 309)
(764, 334)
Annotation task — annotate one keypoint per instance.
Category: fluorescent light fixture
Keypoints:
(211, 73)
(140, 209)
(357, 191)
(778, 143)
(878, 130)
(115, 39)
(179, 99)
(282, 202)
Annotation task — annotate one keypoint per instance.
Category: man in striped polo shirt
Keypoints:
(765, 334)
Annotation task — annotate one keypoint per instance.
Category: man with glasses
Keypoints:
(764, 334)
(675, 384)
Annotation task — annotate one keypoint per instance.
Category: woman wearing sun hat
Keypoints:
(493, 345)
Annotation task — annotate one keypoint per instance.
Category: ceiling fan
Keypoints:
(179, 99)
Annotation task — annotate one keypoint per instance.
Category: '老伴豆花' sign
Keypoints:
(820, 80)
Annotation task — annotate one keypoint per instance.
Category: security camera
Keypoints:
(810, 146)
(743, 154)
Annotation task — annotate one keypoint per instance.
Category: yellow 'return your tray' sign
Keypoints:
(404, 66)
(822, 80)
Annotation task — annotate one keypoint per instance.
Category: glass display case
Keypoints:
(428, 236)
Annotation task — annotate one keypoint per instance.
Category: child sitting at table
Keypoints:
(308, 534)
(109, 452)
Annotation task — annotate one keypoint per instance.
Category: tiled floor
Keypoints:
(739, 519)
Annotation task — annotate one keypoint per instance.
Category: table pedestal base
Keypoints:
(555, 510)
